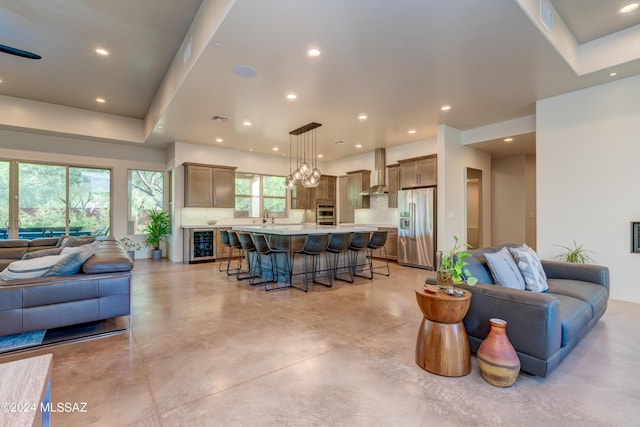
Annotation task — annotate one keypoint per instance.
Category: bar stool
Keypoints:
(224, 239)
(358, 243)
(264, 249)
(339, 244)
(248, 249)
(378, 240)
(234, 242)
(314, 246)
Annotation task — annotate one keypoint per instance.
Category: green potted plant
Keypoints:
(157, 229)
(130, 246)
(575, 254)
(451, 270)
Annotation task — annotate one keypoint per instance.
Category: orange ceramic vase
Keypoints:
(497, 359)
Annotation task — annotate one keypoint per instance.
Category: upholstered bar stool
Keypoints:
(224, 239)
(249, 250)
(263, 249)
(314, 246)
(339, 245)
(359, 242)
(377, 241)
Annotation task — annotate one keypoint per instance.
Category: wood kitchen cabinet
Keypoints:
(419, 172)
(393, 185)
(326, 190)
(345, 213)
(302, 197)
(358, 181)
(209, 186)
(391, 245)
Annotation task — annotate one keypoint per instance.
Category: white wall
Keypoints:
(508, 201)
(453, 160)
(588, 146)
(81, 152)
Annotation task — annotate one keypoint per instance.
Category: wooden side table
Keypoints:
(25, 392)
(442, 347)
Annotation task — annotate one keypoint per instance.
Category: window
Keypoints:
(146, 191)
(49, 200)
(257, 193)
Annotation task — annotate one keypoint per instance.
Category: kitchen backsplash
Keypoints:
(200, 216)
(378, 213)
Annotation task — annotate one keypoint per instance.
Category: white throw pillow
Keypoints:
(528, 262)
(30, 268)
(504, 270)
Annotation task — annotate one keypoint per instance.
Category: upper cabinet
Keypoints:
(419, 172)
(209, 186)
(326, 190)
(359, 181)
(393, 184)
(302, 197)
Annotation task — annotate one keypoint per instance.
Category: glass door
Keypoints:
(89, 201)
(4, 200)
(42, 200)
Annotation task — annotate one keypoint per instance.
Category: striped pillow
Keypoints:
(29, 268)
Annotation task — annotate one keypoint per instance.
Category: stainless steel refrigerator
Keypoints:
(417, 227)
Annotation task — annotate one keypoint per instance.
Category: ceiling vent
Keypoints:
(218, 118)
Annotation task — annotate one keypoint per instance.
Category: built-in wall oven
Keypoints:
(326, 214)
(201, 245)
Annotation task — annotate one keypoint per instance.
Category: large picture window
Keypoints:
(49, 200)
(146, 191)
(257, 194)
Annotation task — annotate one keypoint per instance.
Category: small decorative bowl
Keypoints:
(212, 222)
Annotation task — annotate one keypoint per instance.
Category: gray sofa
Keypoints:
(543, 327)
(101, 290)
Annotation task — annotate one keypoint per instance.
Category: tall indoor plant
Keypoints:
(451, 270)
(157, 229)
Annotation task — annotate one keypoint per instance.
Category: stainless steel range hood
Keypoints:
(379, 176)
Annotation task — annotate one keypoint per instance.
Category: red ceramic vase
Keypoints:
(497, 359)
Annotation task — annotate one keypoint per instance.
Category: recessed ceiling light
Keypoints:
(160, 127)
(292, 96)
(102, 52)
(358, 145)
(629, 8)
(313, 52)
(0, 80)
(320, 156)
(411, 131)
(250, 149)
(508, 139)
(275, 149)
(613, 74)
(246, 123)
(445, 108)
(219, 139)
(362, 117)
(101, 100)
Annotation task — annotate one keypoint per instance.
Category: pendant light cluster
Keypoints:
(306, 171)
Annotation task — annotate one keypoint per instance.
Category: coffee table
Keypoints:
(441, 346)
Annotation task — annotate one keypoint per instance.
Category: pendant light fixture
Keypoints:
(306, 172)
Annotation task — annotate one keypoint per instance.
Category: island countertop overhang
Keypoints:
(301, 229)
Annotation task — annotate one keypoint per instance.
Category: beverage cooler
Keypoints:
(199, 245)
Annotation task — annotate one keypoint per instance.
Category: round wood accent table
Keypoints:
(442, 347)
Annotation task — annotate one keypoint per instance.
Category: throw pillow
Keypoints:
(504, 270)
(530, 266)
(71, 242)
(41, 253)
(29, 268)
(73, 259)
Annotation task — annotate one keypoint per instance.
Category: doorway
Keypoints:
(474, 207)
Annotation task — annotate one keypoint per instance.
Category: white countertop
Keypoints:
(301, 229)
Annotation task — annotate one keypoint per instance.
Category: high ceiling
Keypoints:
(397, 61)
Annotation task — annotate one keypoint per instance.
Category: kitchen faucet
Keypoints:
(265, 216)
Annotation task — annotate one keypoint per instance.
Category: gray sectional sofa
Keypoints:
(543, 327)
(101, 290)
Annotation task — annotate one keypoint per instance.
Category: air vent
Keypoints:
(218, 118)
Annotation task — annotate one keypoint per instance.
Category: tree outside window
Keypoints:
(146, 191)
(256, 193)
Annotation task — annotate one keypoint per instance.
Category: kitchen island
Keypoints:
(291, 237)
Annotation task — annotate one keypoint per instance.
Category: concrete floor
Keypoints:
(207, 350)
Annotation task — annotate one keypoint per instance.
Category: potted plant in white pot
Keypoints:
(157, 229)
(130, 246)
